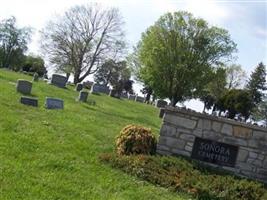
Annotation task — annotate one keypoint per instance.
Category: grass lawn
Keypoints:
(53, 154)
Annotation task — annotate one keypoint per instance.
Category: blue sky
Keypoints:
(245, 20)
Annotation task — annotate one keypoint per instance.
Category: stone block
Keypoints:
(242, 132)
(216, 126)
(180, 121)
(83, 95)
(161, 152)
(180, 152)
(212, 136)
(79, 87)
(175, 143)
(197, 132)
(260, 135)
(253, 155)
(59, 80)
(188, 148)
(244, 166)
(161, 103)
(242, 155)
(163, 148)
(53, 103)
(227, 129)
(253, 143)
(167, 130)
(29, 101)
(24, 86)
(235, 141)
(161, 112)
(187, 137)
(200, 124)
(206, 124)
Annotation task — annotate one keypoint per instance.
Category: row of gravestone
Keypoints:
(25, 87)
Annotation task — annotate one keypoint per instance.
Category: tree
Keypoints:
(257, 83)
(213, 91)
(177, 54)
(237, 101)
(34, 64)
(82, 39)
(236, 76)
(116, 74)
(13, 42)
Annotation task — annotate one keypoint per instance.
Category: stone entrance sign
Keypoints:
(59, 80)
(218, 142)
(24, 86)
(214, 152)
(29, 101)
(53, 103)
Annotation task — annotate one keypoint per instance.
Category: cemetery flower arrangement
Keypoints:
(134, 139)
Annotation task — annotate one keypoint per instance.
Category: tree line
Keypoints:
(179, 57)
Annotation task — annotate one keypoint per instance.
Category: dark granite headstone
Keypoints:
(29, 101)
(59, 80)
(79, 87)
(83, 95)
(131, 97)
(24, 86)
(97, 88)
(139, 99)
(161, 103)
(214, 152)
(53, 103)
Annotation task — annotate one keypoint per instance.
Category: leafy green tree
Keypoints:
(34, 64)
(257, 83)
(13, 43)
(82, 39)
(237, 101)
(177, 54)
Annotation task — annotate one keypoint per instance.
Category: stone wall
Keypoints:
(181, 127)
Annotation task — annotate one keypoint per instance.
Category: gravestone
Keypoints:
(139, 99)
(161, 103)
(24, 86)
(114, 93)
(54, 103)
(79, 87)
(59, 80)
(131, 97)
(161, 112)
(83, 96)
(88, 84)
(97, 88)
(35, 77)
(29, 101)
(124, 95)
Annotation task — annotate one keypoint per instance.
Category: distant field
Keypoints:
(53, 154)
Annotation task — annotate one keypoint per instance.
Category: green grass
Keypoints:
(53, 154)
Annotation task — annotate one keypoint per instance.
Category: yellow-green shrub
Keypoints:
(135, 139)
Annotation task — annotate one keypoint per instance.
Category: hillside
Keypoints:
(53, 154)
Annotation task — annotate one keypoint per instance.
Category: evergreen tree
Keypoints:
(257, 83)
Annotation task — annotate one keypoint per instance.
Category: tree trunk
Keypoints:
(67, 76)
(76, 77)
(174, 101)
